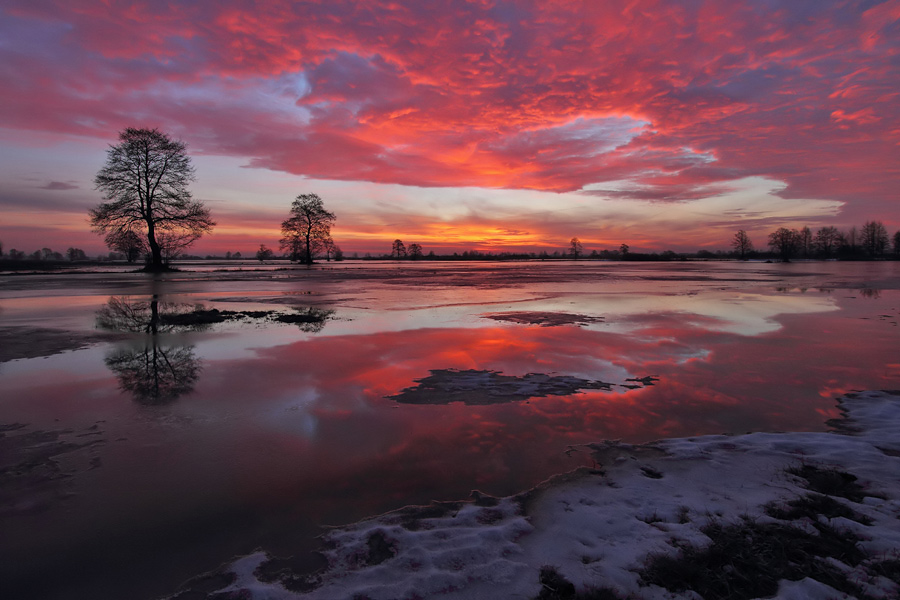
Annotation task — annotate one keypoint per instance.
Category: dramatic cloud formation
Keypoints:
(650, 101)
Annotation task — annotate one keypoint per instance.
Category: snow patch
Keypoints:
(600, 528)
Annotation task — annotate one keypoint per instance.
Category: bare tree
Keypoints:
(264, 253)
(128, 242)
(851, 240)
(827, 240)
(805, 242)
(784, 242)
(742, 244)
(398, 250)
(74, 254)
(874, 238)
(308, 230)
(145, 185)
(328, 246)
(575, 248)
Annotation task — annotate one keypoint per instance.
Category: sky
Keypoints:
(461, 125)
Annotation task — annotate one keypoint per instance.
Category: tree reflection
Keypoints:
(153, 372)
(870, 293)
(150, 316)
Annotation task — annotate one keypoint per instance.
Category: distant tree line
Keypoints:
(48, 255)
(871, 241)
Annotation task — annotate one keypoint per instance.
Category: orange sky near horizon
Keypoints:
(479, 124)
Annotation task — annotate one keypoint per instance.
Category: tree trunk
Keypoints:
(308, 258)
(156, 262)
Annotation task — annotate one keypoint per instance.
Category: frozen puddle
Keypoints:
(791, 515)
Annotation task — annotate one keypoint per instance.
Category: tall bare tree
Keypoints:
(398, 250)
(742, 244)
(145, 185)
(784, 242)
(827, 240)
(575, 248)
(805, 242)
(874, 238)
(308, 230)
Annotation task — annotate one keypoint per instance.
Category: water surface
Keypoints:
(157, 445)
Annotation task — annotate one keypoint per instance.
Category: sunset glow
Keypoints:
(488, 125)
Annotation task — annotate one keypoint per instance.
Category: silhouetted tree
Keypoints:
(308, 229)
(623, 250)
(173, 244)
(575, 248)
(784, 242)
(126, 241)
(851, 240)
(742, 244)
(145, 182)
(74, 254)
(46, 254)
(398, 250)
(414, 251)
(328, 247)
(826, 241)
(874, 238)
(805, 242)
(264, 253)
(897, 243)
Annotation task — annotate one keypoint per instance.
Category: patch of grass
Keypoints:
(889, 569)
(748, 559)
(556, 587)
(198, 316)
(830, 482)
(651, 473)
(813, 505)
(489, 516)
(380, 549)
(652, 518)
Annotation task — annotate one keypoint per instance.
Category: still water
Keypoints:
(154, 427)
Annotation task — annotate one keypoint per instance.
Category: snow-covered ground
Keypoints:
(607, 527)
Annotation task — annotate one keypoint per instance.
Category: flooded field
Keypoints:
(154, 427)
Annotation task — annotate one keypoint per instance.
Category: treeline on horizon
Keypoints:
(869, 242)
